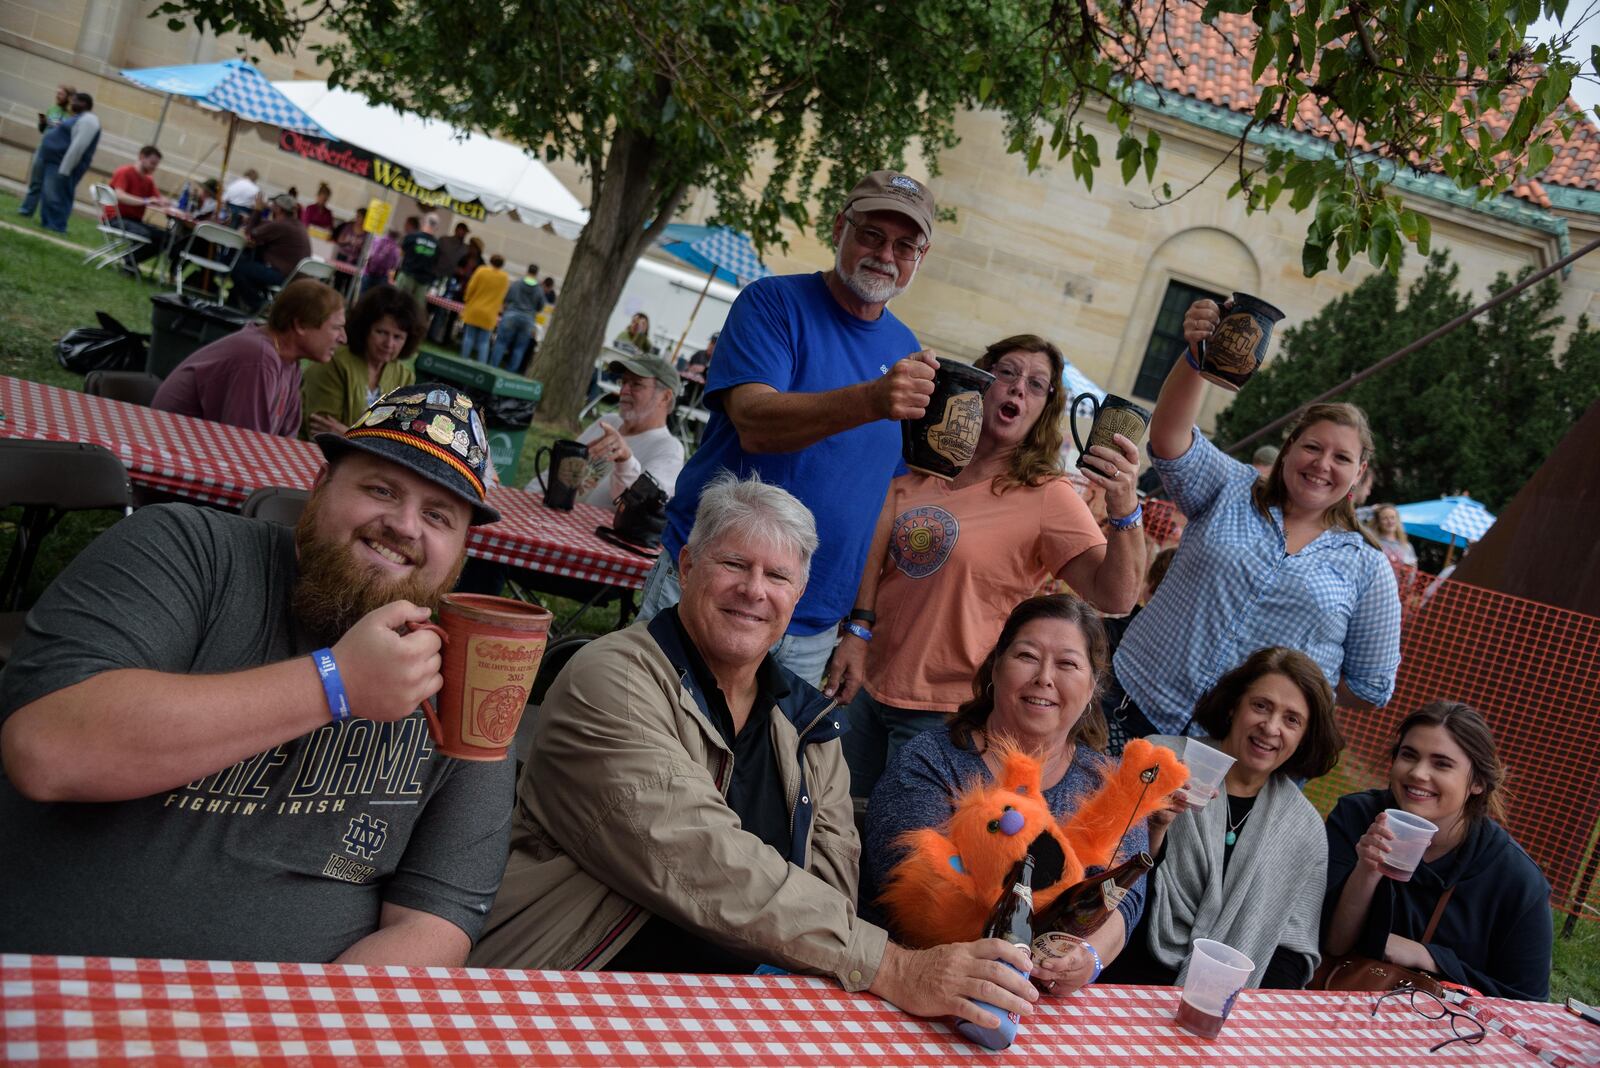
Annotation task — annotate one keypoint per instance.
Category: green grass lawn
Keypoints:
(49, 292)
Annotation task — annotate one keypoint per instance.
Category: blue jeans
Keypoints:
(475, 344)
(251, 280)
(512, 337)
(804, 654)
(56, 208)
(877, 731)
(35, 184)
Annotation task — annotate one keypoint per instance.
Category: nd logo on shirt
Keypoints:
(921, 539)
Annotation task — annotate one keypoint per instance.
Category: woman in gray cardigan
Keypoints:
(1250, 869)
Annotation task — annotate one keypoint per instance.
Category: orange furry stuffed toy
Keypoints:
(951, 877)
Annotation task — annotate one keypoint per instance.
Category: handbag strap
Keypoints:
(1438, 911)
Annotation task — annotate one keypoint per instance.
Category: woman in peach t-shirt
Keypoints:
(951, 558)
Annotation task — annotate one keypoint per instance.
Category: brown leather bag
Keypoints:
(1353, 972)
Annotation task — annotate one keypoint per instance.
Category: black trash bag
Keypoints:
(107, 347)
(511, 413)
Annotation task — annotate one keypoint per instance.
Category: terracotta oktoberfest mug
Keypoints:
(1111, 416)
(563, 476)
(1239, 344)
(942, 442)
(492, 650)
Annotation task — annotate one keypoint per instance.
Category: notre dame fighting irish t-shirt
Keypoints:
(287, 855)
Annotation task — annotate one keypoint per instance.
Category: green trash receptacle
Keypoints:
(180, 325)
(506, 399)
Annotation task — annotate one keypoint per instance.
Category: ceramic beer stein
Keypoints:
(1238, 346)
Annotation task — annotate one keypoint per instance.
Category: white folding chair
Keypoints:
(118, 241)
(218, 260)
(314, 267)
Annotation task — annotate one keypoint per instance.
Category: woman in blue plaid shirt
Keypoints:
(1279, 560)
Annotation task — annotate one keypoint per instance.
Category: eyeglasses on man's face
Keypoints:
(1039, 387)
(1466, 1028)
(873, 239)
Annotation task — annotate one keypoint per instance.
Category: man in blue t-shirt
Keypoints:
(811, 377)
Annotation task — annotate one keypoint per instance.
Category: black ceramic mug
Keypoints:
(1238, 346)
(567, 469)
(1112, 416)
(942, 442)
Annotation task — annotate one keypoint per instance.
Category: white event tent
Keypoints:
(469, 166)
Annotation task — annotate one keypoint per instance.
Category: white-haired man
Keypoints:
(811, 375)
(686, 807)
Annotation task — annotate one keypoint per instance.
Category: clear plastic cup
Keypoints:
(1216, 975)
(1412, 834)
(1207, 766)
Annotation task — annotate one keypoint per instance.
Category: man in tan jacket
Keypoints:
(686, 807)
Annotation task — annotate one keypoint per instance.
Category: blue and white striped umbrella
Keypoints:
(231, 85)
(717, 248)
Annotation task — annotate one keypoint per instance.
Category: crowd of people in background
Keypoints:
(501, 313)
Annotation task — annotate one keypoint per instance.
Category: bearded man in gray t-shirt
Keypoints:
(211, 738)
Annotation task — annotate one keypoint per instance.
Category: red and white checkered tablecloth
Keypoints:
(219, 464)
(64, 1009)
(1550, 1031)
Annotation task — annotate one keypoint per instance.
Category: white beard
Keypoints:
(869, 287)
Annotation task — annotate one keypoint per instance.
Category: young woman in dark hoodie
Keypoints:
(1494, 933)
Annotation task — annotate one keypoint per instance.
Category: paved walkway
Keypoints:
(34, 231)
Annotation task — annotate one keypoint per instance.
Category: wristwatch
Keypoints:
(865, 615)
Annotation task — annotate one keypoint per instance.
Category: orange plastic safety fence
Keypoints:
(1533, 670)
(1163, 523)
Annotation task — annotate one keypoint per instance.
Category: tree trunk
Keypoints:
(626, 198)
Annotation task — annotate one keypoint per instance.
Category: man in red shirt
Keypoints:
(135, 187)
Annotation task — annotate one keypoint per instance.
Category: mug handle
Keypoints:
(430, 705)
(1072, 416)
(539, 466)
(1200, 346)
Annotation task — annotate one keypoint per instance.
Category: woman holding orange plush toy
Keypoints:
(1035, 695)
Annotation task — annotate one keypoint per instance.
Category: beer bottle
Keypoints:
(1012, 920)
(1084, 906)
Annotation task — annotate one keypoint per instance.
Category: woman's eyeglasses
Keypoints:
(1467, 1028)
(873, 239)
(1039, 387)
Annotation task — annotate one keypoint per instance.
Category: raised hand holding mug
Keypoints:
(492, 650)
(1238, 345)
(1111, 417)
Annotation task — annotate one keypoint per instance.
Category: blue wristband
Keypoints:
(332, 684)
(858, 630)
(1098, 967)
(1128, 520)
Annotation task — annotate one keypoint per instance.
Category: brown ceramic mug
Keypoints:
(942, 442)
(492, 650)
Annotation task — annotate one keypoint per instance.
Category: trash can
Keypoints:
(180, 325)
(506, 399)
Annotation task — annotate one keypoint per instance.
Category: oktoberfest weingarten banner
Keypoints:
(375, 168)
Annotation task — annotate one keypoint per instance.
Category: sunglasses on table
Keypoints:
(1468, 1029)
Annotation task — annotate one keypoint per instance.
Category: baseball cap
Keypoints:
(656, 367)
(434, 430)
(893, 191)
(285, 202)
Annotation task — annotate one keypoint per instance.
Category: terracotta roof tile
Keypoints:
(1212, 64)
